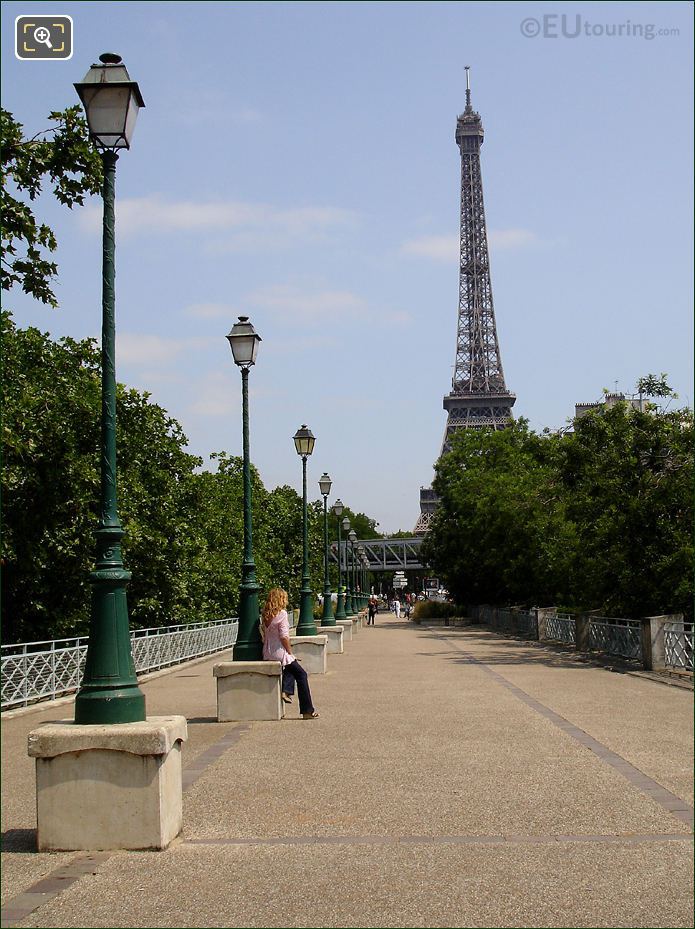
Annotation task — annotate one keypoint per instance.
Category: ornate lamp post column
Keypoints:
(352, 536)
(109, 692)
(349, 611)
(363, 575)
(304, 443)
(243, 340)
(327, 618)
(340, 606)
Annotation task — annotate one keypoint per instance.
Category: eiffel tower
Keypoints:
(479, 397)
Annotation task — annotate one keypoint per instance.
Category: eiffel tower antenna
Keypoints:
(479, 398)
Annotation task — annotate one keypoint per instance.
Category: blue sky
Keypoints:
(296, 163)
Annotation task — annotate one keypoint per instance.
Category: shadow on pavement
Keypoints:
(529, 652)
(18, 840)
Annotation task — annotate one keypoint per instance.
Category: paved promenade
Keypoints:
(454, 778)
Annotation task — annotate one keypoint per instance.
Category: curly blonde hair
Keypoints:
(275, 601)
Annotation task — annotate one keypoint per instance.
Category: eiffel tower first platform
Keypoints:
(479, 397)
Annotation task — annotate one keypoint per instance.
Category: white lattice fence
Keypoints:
(620, 637)
(525, 622)
(678, 645)
(33, 671)
(561, 628)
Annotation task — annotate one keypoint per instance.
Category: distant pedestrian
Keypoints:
(397, 608)
(408, 607)
(372, 607)
(275, 631)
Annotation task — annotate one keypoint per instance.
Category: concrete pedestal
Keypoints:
(108, 787)
(356, 624)
(653, 644)
(334, 645)
(311, 651)
(347, 629)
(542, 614)
(248, 690)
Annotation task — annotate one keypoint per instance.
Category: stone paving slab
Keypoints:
(656, 735)
(430, 792)
(365, 885)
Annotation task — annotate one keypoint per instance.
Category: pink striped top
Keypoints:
(273, 649)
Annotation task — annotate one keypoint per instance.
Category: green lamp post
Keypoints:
(109, 691)
(327, 619)
(340, 605)
(352, 536)
(363, 575)
(304, 442)
(348, 589)
(360, 577)
(243, 340)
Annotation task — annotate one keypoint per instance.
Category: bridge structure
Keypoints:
(386, 554)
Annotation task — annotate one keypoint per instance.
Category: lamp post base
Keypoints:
(306, 625)
(105, 706)
(109, 692)
(249, 645)
(327, 619)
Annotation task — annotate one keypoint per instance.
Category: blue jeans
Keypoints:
(295, 672)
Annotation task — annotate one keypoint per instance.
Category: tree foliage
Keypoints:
(62, 157)
(598, 518)
(184, 526)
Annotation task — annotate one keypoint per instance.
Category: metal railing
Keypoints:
(503, 620)
(611, 635)
(33, 671)
(621, 637)
(561, 627)
(526, 622)
(678, 645)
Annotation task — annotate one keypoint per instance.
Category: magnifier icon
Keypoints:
(43, 36)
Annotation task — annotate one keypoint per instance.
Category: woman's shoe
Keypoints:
(286, 698)
(313, 715)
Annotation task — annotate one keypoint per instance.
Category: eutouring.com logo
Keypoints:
(575, 26)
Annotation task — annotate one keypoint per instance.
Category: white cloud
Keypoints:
(209, 106)
(136, 348)
(297, 346)
(217, 394)
(396, 317)
(211, 311)
(436, 247)
(284, 298)
(154, 214)
(212, 404)
(446, 247)
(511, 238)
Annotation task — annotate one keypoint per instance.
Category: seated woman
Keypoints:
(275, 631)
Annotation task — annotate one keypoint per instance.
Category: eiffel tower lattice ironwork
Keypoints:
(479, 397)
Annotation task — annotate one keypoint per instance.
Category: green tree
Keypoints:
(627, 480)
(183, 527)
(50, 483)
(61, 156)
(499, 534)
(598, 518)
(51, 396)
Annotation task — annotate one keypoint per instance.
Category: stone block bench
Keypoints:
(108, 787)
(336, 637)
(347, 629)
(248, 690)
(311, 651)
